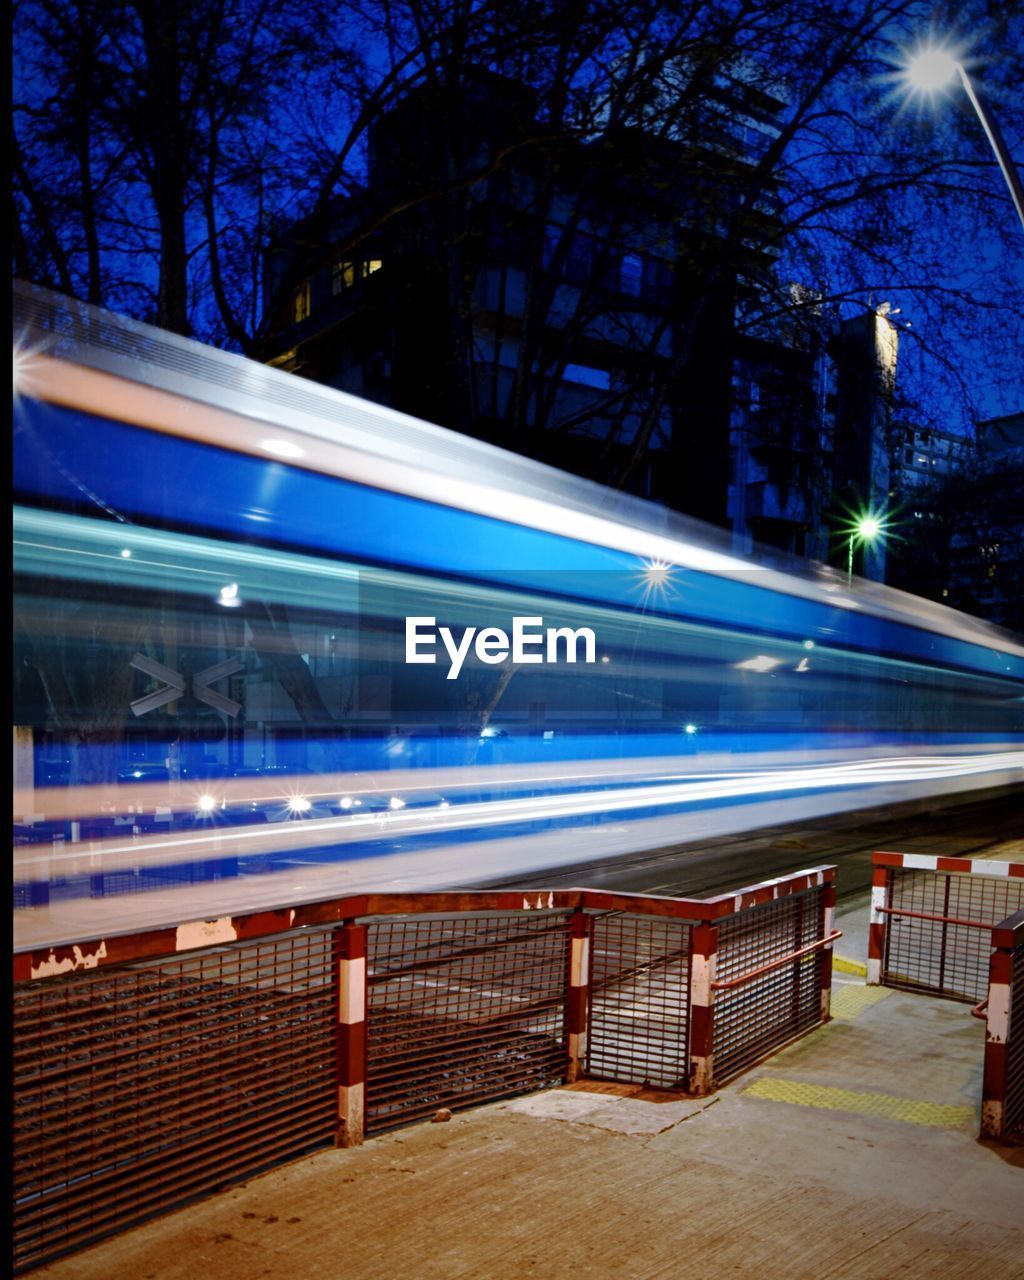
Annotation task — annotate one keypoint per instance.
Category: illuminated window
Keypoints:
(344, 273)
(301, 303)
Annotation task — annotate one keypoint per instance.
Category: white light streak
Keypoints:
(695, 789)
(761, 663)
(282, 448)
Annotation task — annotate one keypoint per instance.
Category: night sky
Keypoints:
(890, 196)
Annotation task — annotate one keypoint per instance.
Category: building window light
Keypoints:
(301, 303)
(342, 277)
(344, 273)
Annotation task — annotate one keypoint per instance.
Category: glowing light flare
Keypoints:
(655, 580)
(861, 529)
(206, 804)
(22, 367)
(229, 596)
(299, 804)
(931, 69)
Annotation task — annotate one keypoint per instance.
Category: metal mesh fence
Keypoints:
(941, 956)
(141, 1085)
(461, 1010)
(753, 1019)
(1013, 1106)
(138, 1088)
(639, 1001)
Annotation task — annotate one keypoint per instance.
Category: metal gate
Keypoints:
(639, 1000)
(761, 1004)
(461, 1010)
(938, 931)
(140, 1087)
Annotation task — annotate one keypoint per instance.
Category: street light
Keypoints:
(864, 529)
(932, 69)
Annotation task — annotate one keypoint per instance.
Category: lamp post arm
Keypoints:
(997, 142)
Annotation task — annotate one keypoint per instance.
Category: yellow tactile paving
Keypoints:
(842, 965)
(934, 1115)
(848, 1001)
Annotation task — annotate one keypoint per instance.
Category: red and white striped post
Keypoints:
(828, 924)
(350, 961)
(998, 1024)
(581, 931)
(877, 923)
(702, 996)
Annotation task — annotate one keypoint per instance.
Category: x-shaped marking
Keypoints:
(175, 684)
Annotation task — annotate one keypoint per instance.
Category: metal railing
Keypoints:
(154, 1067)
(932, 918)
(1002, 1106)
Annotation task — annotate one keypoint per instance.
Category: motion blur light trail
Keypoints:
(399, 821)
(214, 564)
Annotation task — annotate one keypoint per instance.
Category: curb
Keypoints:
(849, 966)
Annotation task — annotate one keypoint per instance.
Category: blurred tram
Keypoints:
(214, 565)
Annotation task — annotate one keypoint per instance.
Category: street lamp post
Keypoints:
(933, 69)
(864, 530)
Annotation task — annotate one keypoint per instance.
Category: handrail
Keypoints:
(979, 1010)
(775, 964)
(925, 915)
(40, 959)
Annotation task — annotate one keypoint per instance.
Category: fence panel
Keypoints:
(937, 921)
(154, 1067)
(139, 1087)
(462, 1010)
(756, 1017)
(639, 1001)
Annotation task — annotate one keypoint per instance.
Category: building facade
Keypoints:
(576, 301)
